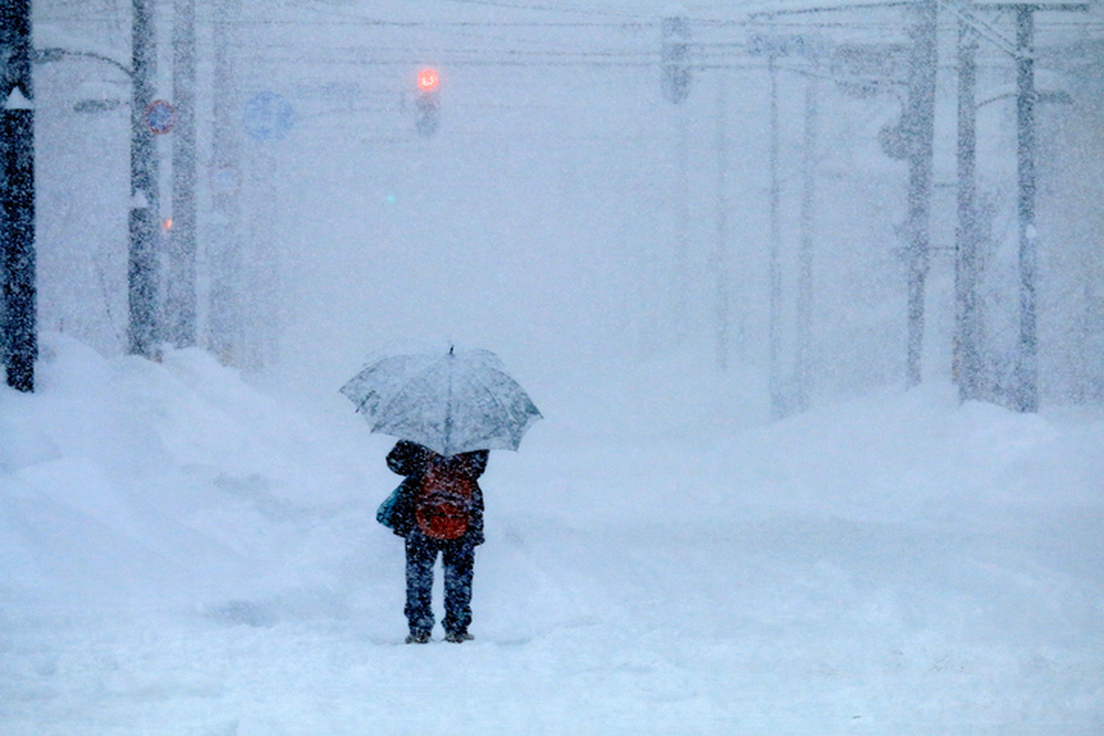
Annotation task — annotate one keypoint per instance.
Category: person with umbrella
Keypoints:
(451, 527)
(449, 411)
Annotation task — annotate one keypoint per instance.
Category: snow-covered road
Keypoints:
(181, 554)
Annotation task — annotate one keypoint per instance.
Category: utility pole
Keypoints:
(720, 257)
(810, 48)
(967, 348)
(17, 218)
(968, 368)
(144, 200)
(675, 86)
(675, 55)
(918, 127)
(805, 253)
(681, 280)
(180, 301)
(1026, 397)
(1026, 389)
(225, 327)
(774, 339)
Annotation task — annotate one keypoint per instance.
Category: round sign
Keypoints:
(225, 179)
(267, 116)
(160, 117)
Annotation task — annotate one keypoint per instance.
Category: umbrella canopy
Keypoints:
(451, 403)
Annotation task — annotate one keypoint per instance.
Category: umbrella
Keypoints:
(450, 403)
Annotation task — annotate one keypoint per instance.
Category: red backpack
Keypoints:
(444, 501)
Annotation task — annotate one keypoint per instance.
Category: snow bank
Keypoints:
(180, 553)
(136, 477)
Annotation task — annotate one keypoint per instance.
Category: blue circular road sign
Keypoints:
(160, 117)
(267, 116)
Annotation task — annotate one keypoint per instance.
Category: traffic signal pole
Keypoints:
(17, 224)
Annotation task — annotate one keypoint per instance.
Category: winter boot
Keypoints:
(418, 637)
(458, 637)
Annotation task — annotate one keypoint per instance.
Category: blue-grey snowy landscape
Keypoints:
(802, 468)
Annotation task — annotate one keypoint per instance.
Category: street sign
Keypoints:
(225, 179)
(761, 44)
(267, 116)
(160, 117)
(865, 69)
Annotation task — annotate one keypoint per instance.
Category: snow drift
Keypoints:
(182, 553)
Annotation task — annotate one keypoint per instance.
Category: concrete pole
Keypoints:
(142, 265)
(1027, 362)
(774, 338)
(681, 281)
(720, 256)
(805, 253)
(675, 85)
(225, 323)
(17, 177)
(967, 368)
(180, 301)
(919, 129)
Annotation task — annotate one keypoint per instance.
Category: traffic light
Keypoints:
(675, 56)
(428, 101)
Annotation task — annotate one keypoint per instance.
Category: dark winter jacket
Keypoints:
(410, 459)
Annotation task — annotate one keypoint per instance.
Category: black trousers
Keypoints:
(458, 559)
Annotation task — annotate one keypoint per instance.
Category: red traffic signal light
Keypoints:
(428, 102)
(428, 80)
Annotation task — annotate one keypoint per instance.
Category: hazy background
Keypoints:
(541, 220)
(185, 551)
